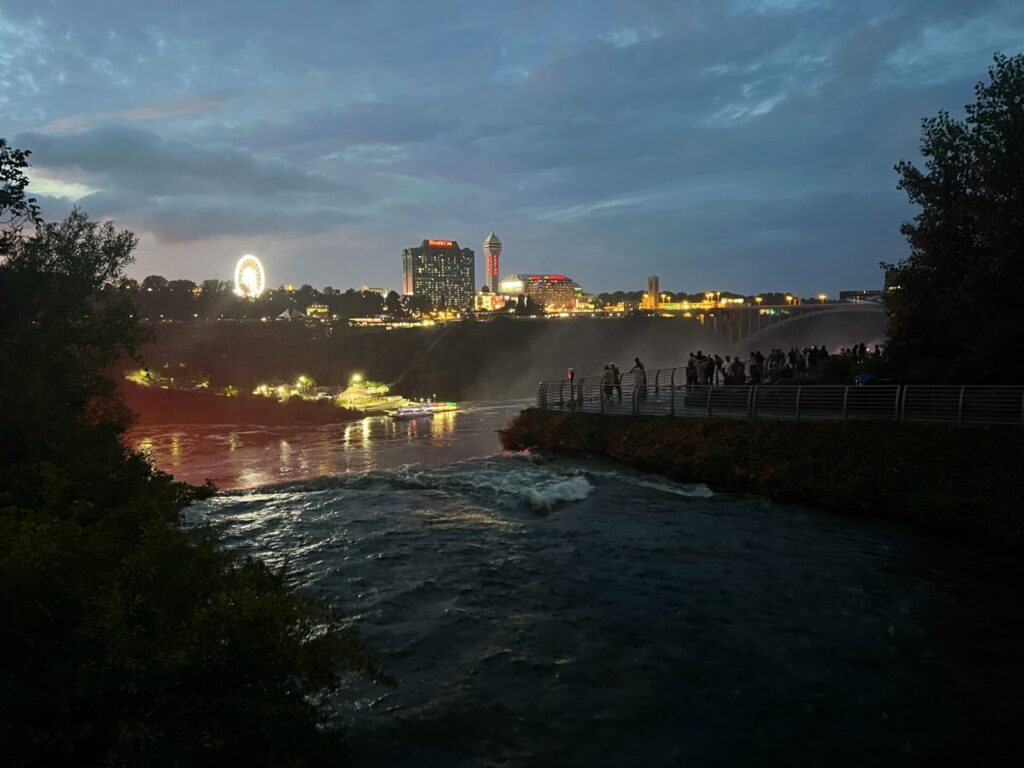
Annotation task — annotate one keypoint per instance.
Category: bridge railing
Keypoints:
(665, 393)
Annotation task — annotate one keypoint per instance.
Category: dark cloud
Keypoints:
(744, 144)
(141, 161)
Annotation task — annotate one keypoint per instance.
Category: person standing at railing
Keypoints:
(755, 369)
(709, 370)
(738, 372)
(640, 379)
(691, 371)
(608, 383)
(618, 381)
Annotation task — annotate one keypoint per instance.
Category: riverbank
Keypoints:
(961, 481)
(154, 406)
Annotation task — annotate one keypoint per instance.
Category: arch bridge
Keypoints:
(736, 324)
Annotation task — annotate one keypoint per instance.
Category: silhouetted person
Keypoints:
(608, 383)
(640, 378)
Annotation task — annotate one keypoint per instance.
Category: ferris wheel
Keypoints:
(250, 279)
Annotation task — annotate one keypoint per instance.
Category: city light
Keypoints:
(356, 378)
(822, 297)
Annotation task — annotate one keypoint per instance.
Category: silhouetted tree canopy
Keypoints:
(124, 639)
(955, 303)
(16, 208)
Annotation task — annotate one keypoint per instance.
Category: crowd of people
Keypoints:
(758, 368)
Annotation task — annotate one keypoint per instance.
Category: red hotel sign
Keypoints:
(440, 243)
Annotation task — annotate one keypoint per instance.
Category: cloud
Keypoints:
(131, 159)
(180, 191)
(186, 106)
(756, 136)
(61, 189)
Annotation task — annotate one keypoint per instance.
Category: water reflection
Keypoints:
(443, 424)
(176, 449)
(244, 457)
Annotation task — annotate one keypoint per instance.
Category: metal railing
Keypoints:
(665, 393)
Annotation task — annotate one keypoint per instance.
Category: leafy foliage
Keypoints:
(125, 639)
(16, 208)
(954, 303)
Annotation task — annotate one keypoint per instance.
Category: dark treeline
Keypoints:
(124, 638)
(158, 298)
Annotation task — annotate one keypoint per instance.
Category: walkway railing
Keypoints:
(666, 394)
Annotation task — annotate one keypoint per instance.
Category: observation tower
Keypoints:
(492, 249)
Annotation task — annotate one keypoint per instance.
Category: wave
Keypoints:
(688, 490)
(493, 481)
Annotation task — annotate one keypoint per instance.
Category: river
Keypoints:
(553, 610)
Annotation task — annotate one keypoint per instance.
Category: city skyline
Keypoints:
(747, 144)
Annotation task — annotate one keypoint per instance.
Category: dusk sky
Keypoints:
(732, 145)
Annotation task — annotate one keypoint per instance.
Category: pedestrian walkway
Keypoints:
(667, 394)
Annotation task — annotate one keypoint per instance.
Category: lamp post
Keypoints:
(822, 297)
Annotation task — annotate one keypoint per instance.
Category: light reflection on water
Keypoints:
(245, 456)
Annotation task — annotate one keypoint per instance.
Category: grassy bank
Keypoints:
(168, 406)
(965, 481)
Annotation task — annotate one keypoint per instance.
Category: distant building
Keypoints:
(485, 301)
(441, 271)
(652, 298)
(364, 288)
(553, 292)
(492, 250)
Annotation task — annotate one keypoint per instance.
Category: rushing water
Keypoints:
(547, 610)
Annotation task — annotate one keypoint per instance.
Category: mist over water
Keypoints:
(545, 609)
(835, 331)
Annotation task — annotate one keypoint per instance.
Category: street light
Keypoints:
(822, 297)
(759, 299)
(789, 299)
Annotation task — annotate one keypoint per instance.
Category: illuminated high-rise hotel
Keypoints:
(442, 271)
(492, 250)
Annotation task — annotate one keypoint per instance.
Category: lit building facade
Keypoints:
(485, 301)
(652, 298)
(492, 250)
(553, 292)
(441, 271)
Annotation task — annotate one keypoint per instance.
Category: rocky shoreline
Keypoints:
(963, 481)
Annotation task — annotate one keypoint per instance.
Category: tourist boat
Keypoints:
(422, 410)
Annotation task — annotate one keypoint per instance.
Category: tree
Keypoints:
(16, 208)
(155, 283)
(211, 287)
(393, 304)
(954, 302)
(181, 286)
(419, 303)
(125, 639)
